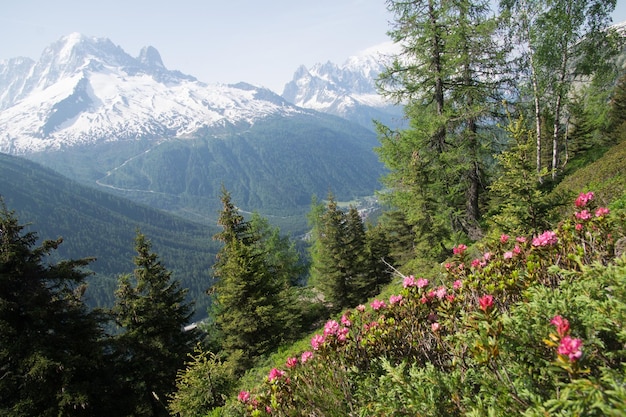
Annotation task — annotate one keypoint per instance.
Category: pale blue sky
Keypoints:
(217, 41)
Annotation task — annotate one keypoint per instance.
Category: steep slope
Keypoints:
(347, 90)
(97, 224)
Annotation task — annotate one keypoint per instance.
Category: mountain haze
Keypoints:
(131, 126)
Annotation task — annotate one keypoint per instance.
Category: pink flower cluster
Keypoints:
(275, 373)
(459, 250)
(547, 238)
(485, 302)
(377, 305)
(317, 341)
(568, 346)
(410, 281)
(602, 211)
(561, 324)
(583, 199)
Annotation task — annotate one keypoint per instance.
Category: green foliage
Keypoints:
(253, 309)
(94, 223)
(520, 203)
(150, 308)
(202, 386)
(461, 344)
(347, 263)
(51, 360)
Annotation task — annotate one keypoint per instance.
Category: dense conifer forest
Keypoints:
(493, 283)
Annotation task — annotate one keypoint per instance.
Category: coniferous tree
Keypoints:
(447, 74)
(151, 309)
(329, 266)
(346, 261)
(250, 292)
(50, 353)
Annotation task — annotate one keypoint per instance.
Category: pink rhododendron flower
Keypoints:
(457, 284)
(422, 282)
(507, 255)
(475, 263)
(268, 409)
(291, 362)
(395, 299)
(578, 227)
(570, 347)
(517, 250)
(423, 300)
(360, 308)
(345, 320)
(602, 211)
(487, 256)
(435, 326)
(409, 281)
(583, 199)
(441, 292)
(504, 238)
(306, 356)
(520, 239)
(317, 341)
(545, 239)
(562, 325)
(275, 373)
(331, 328)
(583, 215)
(461, 267)
(485, 302)
(342, 334)
(448, 265)
(377, 304)
(458, 250)
(244, 396)
(450, 297)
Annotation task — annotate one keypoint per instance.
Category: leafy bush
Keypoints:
(531, 326)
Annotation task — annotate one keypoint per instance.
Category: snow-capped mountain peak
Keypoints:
(85, 90)
(347, 90)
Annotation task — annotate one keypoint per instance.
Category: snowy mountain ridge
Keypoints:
(86, 90)
(347, 90)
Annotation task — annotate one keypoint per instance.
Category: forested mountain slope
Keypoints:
(93, 223)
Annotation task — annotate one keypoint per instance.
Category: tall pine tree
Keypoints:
(152, 311)
(250, 307)
(51, 360)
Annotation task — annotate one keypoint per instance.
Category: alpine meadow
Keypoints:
(434, 228)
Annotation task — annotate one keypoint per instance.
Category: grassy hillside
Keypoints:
(93, 223)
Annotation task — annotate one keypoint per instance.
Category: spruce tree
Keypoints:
(152, 311)
(50, 353)
(252, 284)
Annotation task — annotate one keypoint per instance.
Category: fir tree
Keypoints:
(250, 291)
(152, 311)
(50, 352)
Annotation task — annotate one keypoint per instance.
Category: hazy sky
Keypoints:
(217, 41)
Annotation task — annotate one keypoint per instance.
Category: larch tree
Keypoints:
(152, 311)
(448, 74)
